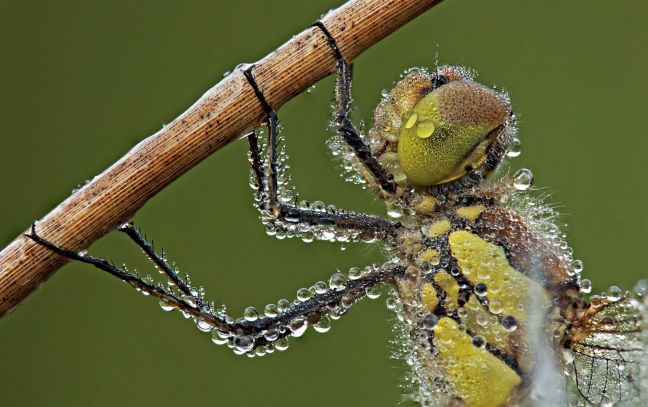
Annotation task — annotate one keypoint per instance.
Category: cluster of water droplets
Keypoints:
(258, 333)
(291, 225)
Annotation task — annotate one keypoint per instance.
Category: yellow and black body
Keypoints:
(492, 307)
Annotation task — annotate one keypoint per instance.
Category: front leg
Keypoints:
(305, 220)
(345, 127)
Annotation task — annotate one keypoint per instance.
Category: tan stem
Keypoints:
(224, 113)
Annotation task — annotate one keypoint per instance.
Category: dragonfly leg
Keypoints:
(245, 335)
(287, 215)
(345, 127)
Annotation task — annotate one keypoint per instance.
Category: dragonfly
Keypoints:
(491, 308)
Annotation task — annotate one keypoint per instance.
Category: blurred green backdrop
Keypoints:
(81, 82)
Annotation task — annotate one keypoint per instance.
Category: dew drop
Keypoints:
(577, 266)
(509, 323)
(271, 310)
(283, 305)
(585, 286)
(271, 335)
(523, 179)
(243, 343)
(355, 273)
(320, 287)
(614, 293)
(166, 306)
(347, 301)
(323, 325)
(641, 288)
(250, 314)
(303, 294)
(481, 289)
(337, 281)
(298, 326)
(204, 326)
(281, 344)
(429, 322)
(394, 211)
(217, 338)
(319, 206)
(514, 148)
(479, 341)
(372, 292)
(496, 306)
(189, 300)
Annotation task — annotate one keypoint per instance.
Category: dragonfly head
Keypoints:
(455, 126)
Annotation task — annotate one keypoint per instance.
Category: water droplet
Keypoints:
(372, 292)
(394, 211)
(243, 343)
(347, 300)
(495, 306)
(577, 266)
(320, 287)
(479, 341)
(429, 322)
(523, 179)
(217, 338)
(509, 323)
(481, 289)
(319, 206)
(323, 325)
(641, 288)
(391, 303)
(514, 148)
(585, 286)
(298, 326)
(286, 196)
(250, 314)
(271, 335)
(337, 281)
(281, 344)
(189, 300)
(204, 326)
(283, 305)
(165, 306)
(303, 294)
(355, 273)
(614, 293)
(271, 310)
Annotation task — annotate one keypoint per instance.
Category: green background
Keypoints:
(81, 82)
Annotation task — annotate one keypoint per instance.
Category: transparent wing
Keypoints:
(609, 351)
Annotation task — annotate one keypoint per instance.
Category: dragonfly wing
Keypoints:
(609, 352)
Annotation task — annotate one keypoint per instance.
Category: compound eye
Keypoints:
(439, 80)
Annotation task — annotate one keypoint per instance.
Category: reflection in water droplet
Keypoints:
(523, 179)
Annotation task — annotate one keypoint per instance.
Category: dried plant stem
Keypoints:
(224, 113)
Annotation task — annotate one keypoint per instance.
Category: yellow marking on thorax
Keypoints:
(478, 377)
(470, 213)
(509, 292)
(438, 228)
(430, 255)
(426, 206)
(479, 321)
(429, 298)
(451, 288)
